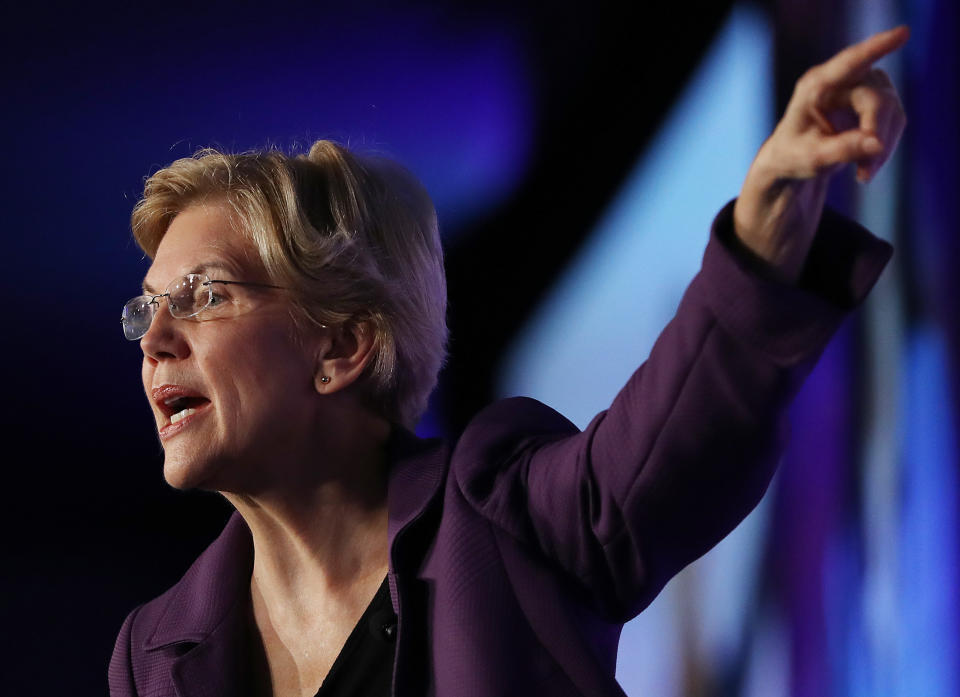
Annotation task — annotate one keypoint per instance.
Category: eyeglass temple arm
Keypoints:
(243, 283)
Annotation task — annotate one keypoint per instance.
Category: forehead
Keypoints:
(203, 239)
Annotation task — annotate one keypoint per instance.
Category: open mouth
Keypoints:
(179, 408)
(177, 402)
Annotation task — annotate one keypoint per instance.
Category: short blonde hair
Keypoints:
(354, 237)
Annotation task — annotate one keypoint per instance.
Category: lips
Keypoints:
(177, 402)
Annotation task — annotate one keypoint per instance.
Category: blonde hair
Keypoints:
(355, 238)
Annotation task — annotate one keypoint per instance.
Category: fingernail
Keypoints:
(872, 145)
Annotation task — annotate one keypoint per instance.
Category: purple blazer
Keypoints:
(517, 554)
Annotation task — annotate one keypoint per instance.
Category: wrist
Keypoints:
(762, 225)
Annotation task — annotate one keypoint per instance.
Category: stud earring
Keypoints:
(324, 379)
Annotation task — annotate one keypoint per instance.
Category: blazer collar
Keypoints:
(214, 590)
(216, 585)
(417, 470)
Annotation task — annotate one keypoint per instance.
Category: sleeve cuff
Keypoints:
(790, 322)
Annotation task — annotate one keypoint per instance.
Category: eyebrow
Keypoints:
(204, 268)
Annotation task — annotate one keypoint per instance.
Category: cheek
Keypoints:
(261, 408)
(252, 366)
(277, 362)
(258, 380)
(281, 383)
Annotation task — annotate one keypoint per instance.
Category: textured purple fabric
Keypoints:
(516, 556)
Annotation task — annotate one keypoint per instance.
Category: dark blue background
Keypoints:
(521, 119)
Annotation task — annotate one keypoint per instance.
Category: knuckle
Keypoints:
(866, 96)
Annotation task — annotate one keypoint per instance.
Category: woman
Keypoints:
(303, 333)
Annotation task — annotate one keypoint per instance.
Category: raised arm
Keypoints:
(690, 443)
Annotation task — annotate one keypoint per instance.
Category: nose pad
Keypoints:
(164, 338)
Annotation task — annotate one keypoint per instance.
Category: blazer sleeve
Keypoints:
(120, 670)
(689, 445)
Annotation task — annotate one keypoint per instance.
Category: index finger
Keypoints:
(853, 62)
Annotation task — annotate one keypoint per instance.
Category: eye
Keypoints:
(218, 295)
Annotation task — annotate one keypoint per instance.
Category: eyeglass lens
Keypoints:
(186, 297)
(137, 315)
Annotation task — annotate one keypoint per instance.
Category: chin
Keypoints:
(187, 473)
(179, 479)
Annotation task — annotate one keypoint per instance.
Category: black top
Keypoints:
(364, 667)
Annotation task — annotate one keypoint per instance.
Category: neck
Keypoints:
(320, 530)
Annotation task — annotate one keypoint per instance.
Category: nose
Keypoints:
(164, 339)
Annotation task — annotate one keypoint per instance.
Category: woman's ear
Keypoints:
(343, 357)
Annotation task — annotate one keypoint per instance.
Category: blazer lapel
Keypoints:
(417, 471)
(216, 666)
(206, 616)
